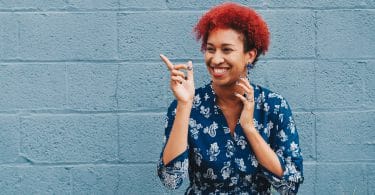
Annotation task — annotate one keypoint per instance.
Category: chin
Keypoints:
(225, 82)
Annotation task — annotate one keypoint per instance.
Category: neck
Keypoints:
(225, 95)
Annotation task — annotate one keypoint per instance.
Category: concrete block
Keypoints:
(70, 5)
(292, 33)
(142, 4)
(144, 35)
(69, 138)
(341, 179)
(141, 137)
(345, 136)
(345, 33)
(10, 180)
(259, 75)
(294, 80)
(90, 4)
(8, 36)
(320, 3)
(194, 4)
(146, 86)
(32, 86)
(345, 85)
(92, 86)
(34, 180)
(9, 138)
(368, 79)
(309, 173)
(67, 36)
(370, 178)
(305, 122)
(98, 179)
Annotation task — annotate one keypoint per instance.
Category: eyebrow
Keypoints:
(224, 44)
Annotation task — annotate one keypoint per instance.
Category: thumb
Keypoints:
(190, 72)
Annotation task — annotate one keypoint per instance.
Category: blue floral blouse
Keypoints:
(218, 163)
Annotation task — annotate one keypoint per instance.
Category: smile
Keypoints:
(219, 71)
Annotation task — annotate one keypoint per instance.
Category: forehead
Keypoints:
(225, 36)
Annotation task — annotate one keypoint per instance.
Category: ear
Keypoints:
(251, 55)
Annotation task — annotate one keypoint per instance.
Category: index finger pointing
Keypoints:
(190, 72)
(166, 61)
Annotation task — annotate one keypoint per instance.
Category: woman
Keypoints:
(230, 136)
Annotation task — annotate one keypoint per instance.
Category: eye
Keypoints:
(227, 50)
(210, 50)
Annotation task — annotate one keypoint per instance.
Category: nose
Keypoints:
(217, 58)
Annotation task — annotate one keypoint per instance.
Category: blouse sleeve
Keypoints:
(173, 173)
(284, 141)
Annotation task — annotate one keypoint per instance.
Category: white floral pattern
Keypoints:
(224, 164)
(213, 152)
(241, 164)
(210, 174)
(205, 112)
(230, 148)
(211, 130)
(194, 128)
(197, 101)
(240, 141)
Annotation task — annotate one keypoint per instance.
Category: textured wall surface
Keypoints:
(83, 92)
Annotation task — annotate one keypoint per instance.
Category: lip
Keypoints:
(219, 71)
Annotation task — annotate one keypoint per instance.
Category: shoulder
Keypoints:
(267, 95)
(269, 100)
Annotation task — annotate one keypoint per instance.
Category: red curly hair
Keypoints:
(237, 17)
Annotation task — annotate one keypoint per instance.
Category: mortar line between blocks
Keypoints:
(118, 136)
(118, 33)
(315, 115)
(315, 15)
(66, 87)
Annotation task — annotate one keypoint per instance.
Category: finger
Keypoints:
(166, 61)
(180, 66)
(246, 89)
(177, 73)
(247, 82)
(242, 98)
(190, 72)
(177, 79)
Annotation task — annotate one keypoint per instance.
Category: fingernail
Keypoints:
(190, 66)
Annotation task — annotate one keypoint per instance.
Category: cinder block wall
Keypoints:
(83, 92)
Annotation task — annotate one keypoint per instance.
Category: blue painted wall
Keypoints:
(83, 92)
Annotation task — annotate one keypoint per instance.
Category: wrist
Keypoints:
(250, 129)
(185, 103)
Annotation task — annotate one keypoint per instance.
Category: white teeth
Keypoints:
(220, 70)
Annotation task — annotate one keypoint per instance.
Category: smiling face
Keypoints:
(225, 56)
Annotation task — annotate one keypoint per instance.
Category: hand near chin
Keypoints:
(247, 114)
(181, 85)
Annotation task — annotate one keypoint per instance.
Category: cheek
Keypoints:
(207, 58)
(233, 59)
